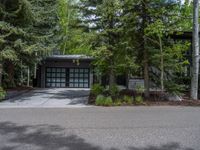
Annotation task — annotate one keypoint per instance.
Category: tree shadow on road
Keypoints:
(169, 146)
(48, 137)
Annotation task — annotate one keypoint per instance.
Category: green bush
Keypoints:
(108, 101)
(103, 101)
(139, 100)
(118, 102)
(97, 89)
(174, 88)
(100, 100)
(139, 89)
(2, 94)
(128, 100)
(114, 90)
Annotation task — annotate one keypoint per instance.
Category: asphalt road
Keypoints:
(98, 128)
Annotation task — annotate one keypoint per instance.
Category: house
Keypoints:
(69, 71)
(76, 71)
(65, 71)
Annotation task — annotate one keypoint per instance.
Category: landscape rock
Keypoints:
(173, 97)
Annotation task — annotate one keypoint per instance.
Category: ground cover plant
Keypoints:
(102, 96)
(2, 94)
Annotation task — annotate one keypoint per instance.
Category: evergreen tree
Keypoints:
(110, 47)
(25, 34)
(166, 55)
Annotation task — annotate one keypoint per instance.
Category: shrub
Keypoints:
(174, 88)
(100, 100)
(108, 101)
(140, 89)
(114, 90)
(128, 100)
(103, 101)
(2, 94)
(97, 89)
(139, 100)
(118, 102)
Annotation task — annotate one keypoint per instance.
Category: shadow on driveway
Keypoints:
(50, 97)
(46, 137)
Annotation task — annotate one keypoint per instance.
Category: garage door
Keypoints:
(67, 77)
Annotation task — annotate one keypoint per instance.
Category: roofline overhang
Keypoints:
(70, 57)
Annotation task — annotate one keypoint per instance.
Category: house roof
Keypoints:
(69, 57)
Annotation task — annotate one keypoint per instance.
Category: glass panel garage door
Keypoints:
(79, 78)
(56, 77)
(67, 77)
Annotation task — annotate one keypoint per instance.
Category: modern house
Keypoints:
(76, 71)
(65, 71)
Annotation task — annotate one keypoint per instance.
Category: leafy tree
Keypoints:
(74, 37)
(166, 55)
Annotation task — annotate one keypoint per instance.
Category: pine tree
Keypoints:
(26, 30)
(112, 52)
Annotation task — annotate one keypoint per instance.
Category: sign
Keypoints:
(134, 83)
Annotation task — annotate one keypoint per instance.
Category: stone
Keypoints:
(173, 97)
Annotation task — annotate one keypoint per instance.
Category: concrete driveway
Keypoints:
(100, 128)
(58, 97)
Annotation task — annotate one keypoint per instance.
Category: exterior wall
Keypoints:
(65, 64)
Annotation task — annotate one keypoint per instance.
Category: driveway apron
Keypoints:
(57, 97)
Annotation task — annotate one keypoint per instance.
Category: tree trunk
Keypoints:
(195, 52)
(11, 72)
(1, 72)
(145, 52)
(146, 74)
(28, 77)
(111, 78)
(161, 65)
(127, 79)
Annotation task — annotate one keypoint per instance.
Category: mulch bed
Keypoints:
(22, 88)
(154, 100)
(14, 92)
(173, 103)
